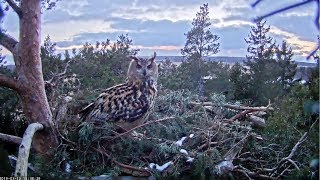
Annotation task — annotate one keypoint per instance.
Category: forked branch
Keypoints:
(58, 76)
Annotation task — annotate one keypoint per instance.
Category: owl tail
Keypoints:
(86, 111)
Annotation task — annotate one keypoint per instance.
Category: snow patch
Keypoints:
(68, 168)
(224, 166)
(183, 151)
(190, 159)
(160, 168)
(179, 143)
(191, 135)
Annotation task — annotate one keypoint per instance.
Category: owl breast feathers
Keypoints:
(127, 104)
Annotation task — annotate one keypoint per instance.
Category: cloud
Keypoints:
(300, 46)
(302, 26)
(66, 30)
(233, 23)
(178, 10)
(139, 25)
(159, 48)
(237, 52)
(160, 25)
(145, 50)
(146, 33)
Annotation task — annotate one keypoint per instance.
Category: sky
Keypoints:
(160, 25)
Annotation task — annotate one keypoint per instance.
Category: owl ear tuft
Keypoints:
(153, 57)
(133, 58)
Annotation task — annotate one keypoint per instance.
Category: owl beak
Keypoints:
(144, 72)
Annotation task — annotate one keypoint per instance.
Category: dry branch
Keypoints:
(245, 109)
(288, 158)
(226, 165)
(10, 138)
(24, 149)
(240, 115)
(147, 123)
(136, 171)
(252, 174)
(235, 107)
(58, 76)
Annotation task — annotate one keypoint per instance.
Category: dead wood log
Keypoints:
(24, 149)
(238, 107)
(235, 107)
(210, 107)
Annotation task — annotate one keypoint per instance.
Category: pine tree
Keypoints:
(262, 66)
(284, 56)
(239, 79)
(200, 43)
(259, 43)
(200, 40)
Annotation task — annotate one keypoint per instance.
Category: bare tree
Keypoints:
(29, 83)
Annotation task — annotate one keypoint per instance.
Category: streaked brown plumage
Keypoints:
(127, 104)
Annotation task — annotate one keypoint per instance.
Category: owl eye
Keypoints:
(139, 66)
(149, 66)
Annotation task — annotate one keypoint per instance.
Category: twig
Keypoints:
(58, 75)
(231, 154)
(282, 9)
(262, 108)
(316, 20)
(255, 3)
(294, 149)
(241, 114)
(10, 138)
(15, 7)
(142, 171)
(236, 107)
(142, 125)
(253, 174)
(205, 145)
(318, 45)
(243, 172)
(24, 149)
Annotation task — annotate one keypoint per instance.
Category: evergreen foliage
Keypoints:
(287, 69)
(268, 71)
(200, 43)
(96, 149)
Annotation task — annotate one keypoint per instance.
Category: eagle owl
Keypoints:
(127, 104)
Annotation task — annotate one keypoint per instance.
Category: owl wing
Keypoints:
(118, 103)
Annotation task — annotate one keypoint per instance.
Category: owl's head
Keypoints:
(143, 68)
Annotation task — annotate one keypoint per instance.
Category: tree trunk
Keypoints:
(29, 82)
(34, 100)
